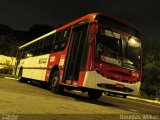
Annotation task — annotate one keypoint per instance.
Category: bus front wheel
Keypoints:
(95, 94)
(55, 87)
(124, 96)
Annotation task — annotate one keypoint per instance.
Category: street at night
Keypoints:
(25, 99)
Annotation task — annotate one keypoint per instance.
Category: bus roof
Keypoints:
(91, 17)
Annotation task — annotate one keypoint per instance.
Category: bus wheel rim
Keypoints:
(55, 80)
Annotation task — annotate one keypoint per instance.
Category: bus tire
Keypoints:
(109, 94)
(20, 78)
(55, 87)
(95, 94)
(124, 96)
(114, 94)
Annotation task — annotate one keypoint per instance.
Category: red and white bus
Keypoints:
(95, 53)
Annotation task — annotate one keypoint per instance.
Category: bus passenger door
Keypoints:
(76, 57)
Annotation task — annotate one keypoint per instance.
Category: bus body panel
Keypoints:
(92, 79)
(55, 59)
(34, 67)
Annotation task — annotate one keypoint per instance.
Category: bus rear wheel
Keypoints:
(95, 94)
(20, 78)
(55, 87)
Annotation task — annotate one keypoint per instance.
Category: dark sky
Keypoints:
(22, 14)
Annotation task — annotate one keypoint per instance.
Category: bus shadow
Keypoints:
(84, 98)
(78, 96)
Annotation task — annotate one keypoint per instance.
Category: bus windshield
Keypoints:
(118, 49)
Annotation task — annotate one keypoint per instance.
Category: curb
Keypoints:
(10, 78)
(131, 97)
(151, 101)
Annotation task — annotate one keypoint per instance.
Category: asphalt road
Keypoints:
(27, 101)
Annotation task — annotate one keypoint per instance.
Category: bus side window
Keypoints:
(61, 40)
(29, 50)
(29, 55)
(65, 34)
(46, 49)
(59, 46)
(37, 51)
(41, 42)
(45, 41)
(51, 39)
(55, 47)
(58, 35)
(62, 45)
(38, 47)
(31, 47)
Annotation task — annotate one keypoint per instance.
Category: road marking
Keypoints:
(10, 78)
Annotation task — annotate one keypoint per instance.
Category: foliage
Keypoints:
(10, 39)
(151, 69)
(6, 70)
(38, 30)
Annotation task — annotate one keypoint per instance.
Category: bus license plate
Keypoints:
(119, 85)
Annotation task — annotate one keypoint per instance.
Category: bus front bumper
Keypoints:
(94, 80)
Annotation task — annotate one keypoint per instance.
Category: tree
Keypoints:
(8, 41)
(151, 68)
(39, 30)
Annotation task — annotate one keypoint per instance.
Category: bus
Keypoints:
(96, 53)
